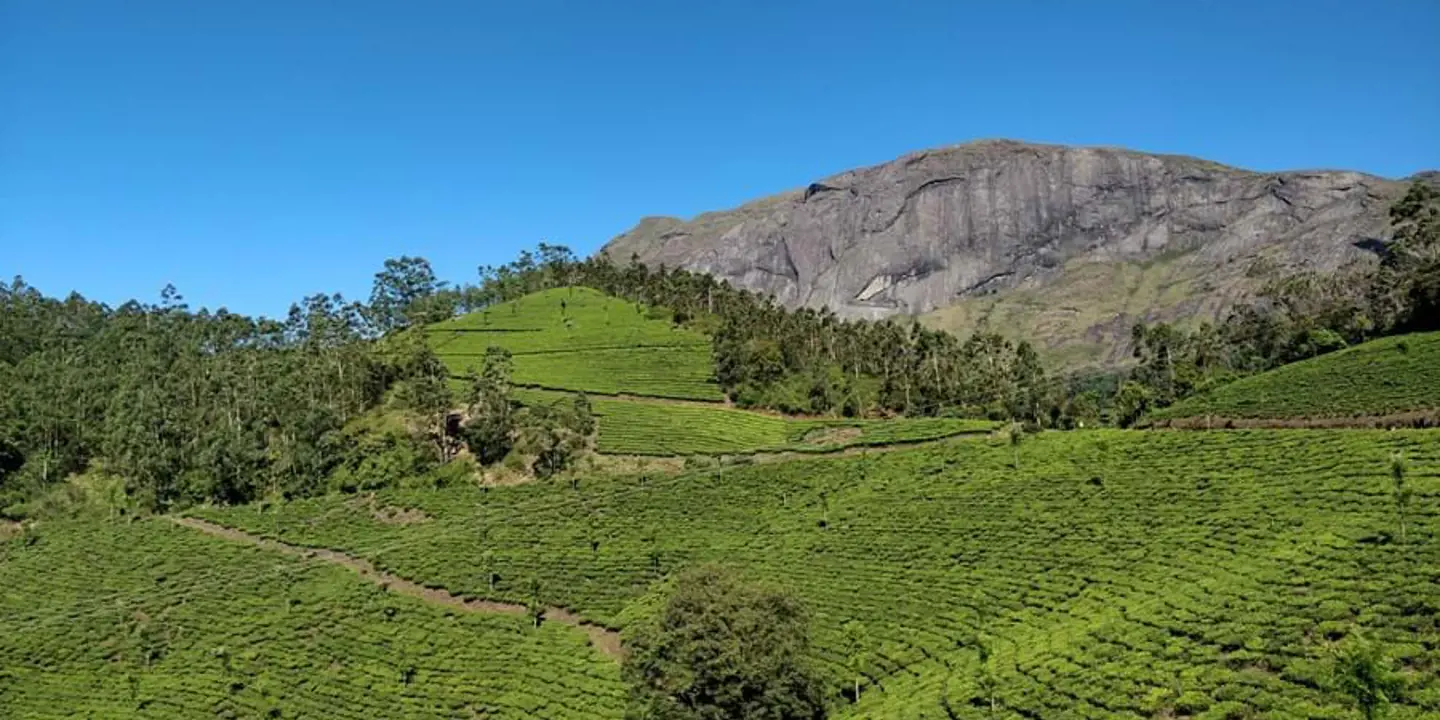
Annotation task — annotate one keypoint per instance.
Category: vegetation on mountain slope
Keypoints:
(1004, 226)
(1298, 317)
(640, 427)
(802, 361)
(184, 406)
(1393, 375)
(577, 338)
(1097, 574)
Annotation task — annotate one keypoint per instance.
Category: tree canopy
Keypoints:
(723, 649)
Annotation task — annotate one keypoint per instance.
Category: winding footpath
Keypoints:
(604, 640)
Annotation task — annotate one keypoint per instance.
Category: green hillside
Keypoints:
(1112, 574)
(638, 427)
(575, 338)
(148, 619)
(634, 364)
(1392, 375)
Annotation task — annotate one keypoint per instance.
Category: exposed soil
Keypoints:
(853, 450)
(399, 516)
(604, 640)
(1412, 419)
(390, 515)
(635, 464)
(831, 435)
(9, 528)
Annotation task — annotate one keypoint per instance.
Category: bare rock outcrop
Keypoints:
(935, 228)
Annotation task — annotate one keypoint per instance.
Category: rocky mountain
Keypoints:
(1066, 246)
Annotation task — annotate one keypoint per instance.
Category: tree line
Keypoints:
(802, 360)
(163, 406)
(1298, 316)
(185, 406)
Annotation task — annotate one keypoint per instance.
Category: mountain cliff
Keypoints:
(1066, 246)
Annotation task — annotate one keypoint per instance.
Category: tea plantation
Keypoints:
(148, 619)
(577, 338)
(1392, 375)
(1106, 574)
(637, 427)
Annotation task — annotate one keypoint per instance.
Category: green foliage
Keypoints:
(722, 648)
(1391, 375)
(185, 406)
(580, 339)
(377, 451)
(147, 619)
(1362, 671)
(404, 294)
(1226, 562)
(1131, 403)
(632, 427)
(425, 391)
(1306, 315)
(1401, 490)
(759, 353)
(490, 427)
(554, 434)
(857, 653)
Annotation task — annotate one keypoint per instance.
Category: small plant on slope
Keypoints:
(857, 652)
(1362, 672)
(1400, 490)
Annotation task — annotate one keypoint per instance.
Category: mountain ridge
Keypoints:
(1012, 232)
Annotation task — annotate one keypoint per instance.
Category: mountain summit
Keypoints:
(1066, 246)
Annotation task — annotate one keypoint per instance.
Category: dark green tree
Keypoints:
(723, 649)
(398, 296)
(490, 426)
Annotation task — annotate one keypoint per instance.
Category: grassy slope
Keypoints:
(1390, 375)
(632, 427)
(1118, 574)
(242, 632)
(607, 346)
(597, 343)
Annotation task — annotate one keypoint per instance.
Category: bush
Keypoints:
(378, 452)
(722, 648)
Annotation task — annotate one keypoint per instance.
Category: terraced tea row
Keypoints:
(1389, 376)
(640, 427)
(1109, 574)
(580, 339)
(146, 619)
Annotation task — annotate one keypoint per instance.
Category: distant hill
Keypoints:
(1067, 246)
(1390, 377)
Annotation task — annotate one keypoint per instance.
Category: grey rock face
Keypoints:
(933, 228)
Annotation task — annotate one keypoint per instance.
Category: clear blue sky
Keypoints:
(254, 152)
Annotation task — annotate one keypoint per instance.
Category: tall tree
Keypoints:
(399, 291)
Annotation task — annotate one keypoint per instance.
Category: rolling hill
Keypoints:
(1096, 574)
(651, 384)
(1114, 574)
(1379, 381)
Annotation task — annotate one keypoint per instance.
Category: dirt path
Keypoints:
(1412, 419)
(605, 640)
